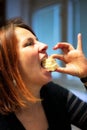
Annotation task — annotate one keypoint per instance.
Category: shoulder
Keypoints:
(53, 88)
(54, 91)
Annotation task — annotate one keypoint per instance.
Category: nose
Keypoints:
(42, 47)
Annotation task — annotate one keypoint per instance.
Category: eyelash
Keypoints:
(29, 43)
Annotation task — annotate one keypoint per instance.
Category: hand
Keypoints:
(74, 59)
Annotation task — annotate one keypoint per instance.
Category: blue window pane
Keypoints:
(46, 23)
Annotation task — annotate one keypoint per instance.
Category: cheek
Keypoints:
(27, 59)
(25, 65)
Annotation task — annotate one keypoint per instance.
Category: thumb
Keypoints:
(79, 43)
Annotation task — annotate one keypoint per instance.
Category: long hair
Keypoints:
(13, 92)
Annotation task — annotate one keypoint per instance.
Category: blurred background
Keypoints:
(53, 21)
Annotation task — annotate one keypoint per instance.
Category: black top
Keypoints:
(62, 108)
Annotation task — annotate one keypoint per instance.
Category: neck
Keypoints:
(33, 117)
(34, 89)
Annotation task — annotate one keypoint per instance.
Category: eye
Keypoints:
(29, 43)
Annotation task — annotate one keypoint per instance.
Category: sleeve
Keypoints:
(68, 104)
(77, 110)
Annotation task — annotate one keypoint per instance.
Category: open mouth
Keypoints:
(43, 62)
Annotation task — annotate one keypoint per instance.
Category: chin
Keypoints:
(48, 80)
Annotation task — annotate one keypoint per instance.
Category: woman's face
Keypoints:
(31, 54)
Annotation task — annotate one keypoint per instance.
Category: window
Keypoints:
(73, 25)
(46, 23)
(73, 21)
(55, 23)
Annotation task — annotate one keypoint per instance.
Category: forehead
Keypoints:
(22, 33)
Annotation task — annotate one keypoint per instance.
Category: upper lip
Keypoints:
(44, 57)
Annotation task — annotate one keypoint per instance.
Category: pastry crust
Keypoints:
(50, 64)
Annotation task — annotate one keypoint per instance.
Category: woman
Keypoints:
(28, 98)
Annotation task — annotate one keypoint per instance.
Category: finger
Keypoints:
(79, 43)
(63, 46)
(62, 70)
(65, 70)
(58, 56)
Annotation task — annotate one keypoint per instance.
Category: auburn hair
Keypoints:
(13, 92)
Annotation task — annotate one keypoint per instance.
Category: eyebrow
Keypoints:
(31, 38)
(35, 38)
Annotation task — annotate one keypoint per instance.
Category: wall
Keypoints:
(19, 8)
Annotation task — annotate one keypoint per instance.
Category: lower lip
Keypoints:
(48, 72)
